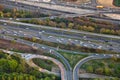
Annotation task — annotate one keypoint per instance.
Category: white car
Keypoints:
(50, 36)
(43, 47)
(99, 47)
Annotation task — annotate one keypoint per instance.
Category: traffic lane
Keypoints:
(64, 41)
(93, 38)
(51, 39)
(48, 37)
(96, 37)
(38, 35)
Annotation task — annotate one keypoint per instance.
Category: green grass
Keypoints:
(72, 58)
(45, 64)
(116, 3)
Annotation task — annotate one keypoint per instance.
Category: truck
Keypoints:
(100, 7)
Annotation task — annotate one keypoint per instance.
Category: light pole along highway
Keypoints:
(84, 60)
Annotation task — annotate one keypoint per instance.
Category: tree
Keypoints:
(70, 25)
(107, 70)
(30, 77)
(90, 69)
(21, 77)
(15, 78)
(47, 78)
(9, 78)
(114, 58)
(14, 12)
(13, 64)
(3, 78)
(91, 29)
(62, 25)
(26, 78)
(1, 14)
(34, 39)
(20, 68)
(99, 70)
(51, 23)
(102, 30)
(1, 7)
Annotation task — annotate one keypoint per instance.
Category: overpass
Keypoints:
(57, 8)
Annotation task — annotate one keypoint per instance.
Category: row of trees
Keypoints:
(16, 76)
(104, 67)
(15, 13)
(105, 70)
(109, 31)
(79, 24)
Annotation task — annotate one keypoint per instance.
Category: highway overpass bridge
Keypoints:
(50, 7)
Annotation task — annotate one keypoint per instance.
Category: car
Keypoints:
(89, 41)
(69, 39)
(110, 49)
(15, 34)
(43, 31)
(26, 28)
(15, 38)
(85, 45)
(43, 47)
(10, 18)
(50, 36)
(15, 31)
(99, 47)
(104, 55)
(17, 19)
(62, 39)
(20, 31)
(39, 32)
(25, 34)
(117, 55)
(84, 37)
(81, 42)
(76, 40)
(5, 24)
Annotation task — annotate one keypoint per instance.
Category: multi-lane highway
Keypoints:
(85, 41)
(56, 39)
(54, 7)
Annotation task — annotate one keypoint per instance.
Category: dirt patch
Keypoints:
(7, 44)
(77, 1)
(81, 1)
(107, 3)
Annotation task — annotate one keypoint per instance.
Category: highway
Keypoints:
(41, 7)
(58, 29)
(101, 56)
(13, 31)
(84, 60)
(57, 7)
(46, 35)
